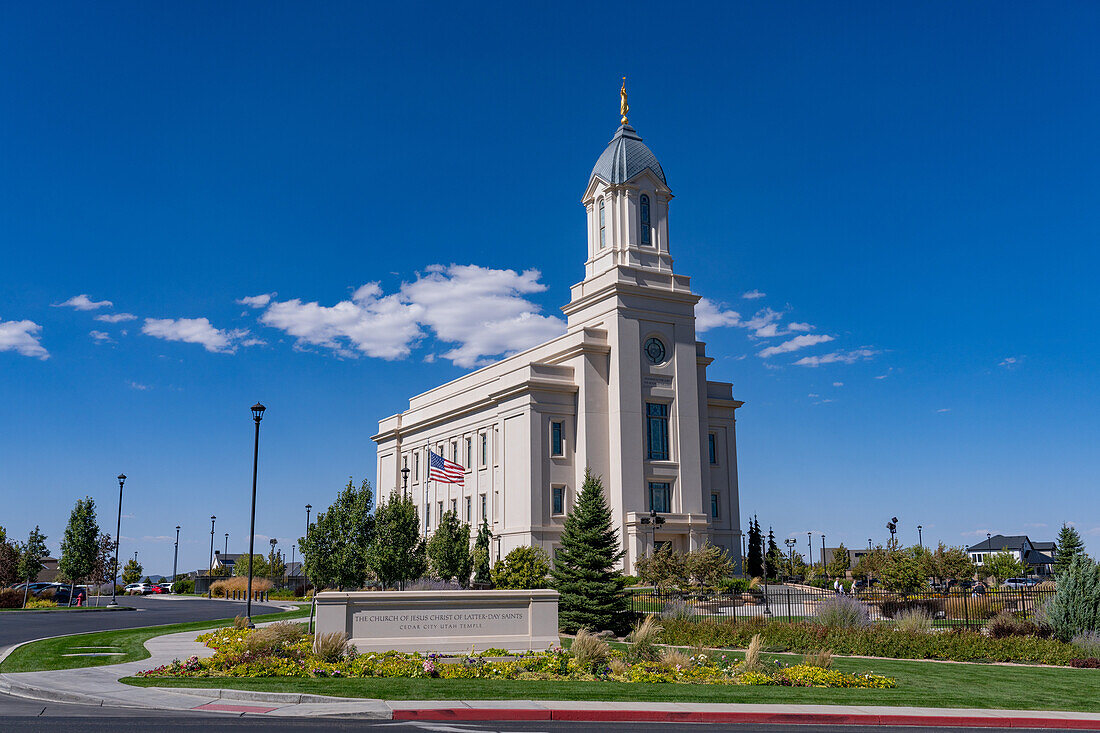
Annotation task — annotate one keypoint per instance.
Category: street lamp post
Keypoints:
(810, 549)
(210, 567)
(226, 550)
(308, 507)
(257, 415)
(892, 525)
(176, 554)
(920, 535)
(824, 566)
(405, 481)
(790, 542)
(118, 530)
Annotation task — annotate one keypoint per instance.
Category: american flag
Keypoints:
(440, 469)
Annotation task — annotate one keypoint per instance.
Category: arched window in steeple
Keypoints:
(644, 209)
(603, 236)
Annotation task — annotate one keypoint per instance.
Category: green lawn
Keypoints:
(47, 654)
(926, 684)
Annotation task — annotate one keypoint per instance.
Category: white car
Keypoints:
(138, 589)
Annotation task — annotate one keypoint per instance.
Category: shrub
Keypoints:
(273, 637)
(240, 622)
(183, 586)
(238, 583)
(46, 595)
(677, 608)
(914, 621)
(331, 647)
(1006, 624)
(590, 651)
(1088, 643)
(1075, 607)
(11, 598)
(643, 640)
(33, 602)
(892, 608)
(1089, 663)
(522, 568)
(733, 585)
(675, 658)
(973, 607)
(841, 612)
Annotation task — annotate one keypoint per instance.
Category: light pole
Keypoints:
(824, 566)
(118, 530)
(868, 563)
(405, 481)
(892, 525)
(257, 415)
(308, 507)
(920, 535)
(810, 549)
(211, 566)
(790, 542)
(176, 554)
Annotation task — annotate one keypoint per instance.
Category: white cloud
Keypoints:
(256, 301)
(753, 295)
(765, 323)
(482, 310)
(838, 384)
(836, 357)
(83, 303)
(101, 337)
(138, 386)
(194, 331)
(798, 342)
(116, 317)
(709, 314)
(1010, 362)
(796, 327)
(944, 409)
(22, 338)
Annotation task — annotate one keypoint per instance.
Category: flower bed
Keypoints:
(238, 655)
(873, 641)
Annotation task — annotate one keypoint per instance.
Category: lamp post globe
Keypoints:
(118, 530)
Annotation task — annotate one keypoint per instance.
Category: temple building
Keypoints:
(623, 391)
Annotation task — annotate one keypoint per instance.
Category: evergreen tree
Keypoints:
(1075, 607)
(1070, 547)
(80, 544)
(449, 550)
(30, 559)
(756, 556)
(131, 572)
(584, 574)
(397, 553)
(482, 573)
(773, 558)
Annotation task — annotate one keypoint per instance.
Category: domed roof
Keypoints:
(625, 157)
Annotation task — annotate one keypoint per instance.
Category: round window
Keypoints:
(655, 351)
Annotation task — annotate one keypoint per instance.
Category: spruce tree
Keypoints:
(773, 557)
(584, 574)
(1069, 547)
(756, 557)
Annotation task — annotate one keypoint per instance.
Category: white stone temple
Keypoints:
(623, 392)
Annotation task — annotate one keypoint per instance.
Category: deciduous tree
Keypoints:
(838, 566)
(79, 544)
(335, 548)
(1001, 566)
(523, 568)
(30, 558)
(397, 554)
(131, 571)
(449, 550)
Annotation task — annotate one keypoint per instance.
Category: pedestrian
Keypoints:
(836, 586)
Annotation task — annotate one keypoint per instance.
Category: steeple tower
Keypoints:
(627, 203)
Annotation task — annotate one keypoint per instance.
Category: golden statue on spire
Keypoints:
(623, 106)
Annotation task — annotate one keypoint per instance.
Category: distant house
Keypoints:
(49, 572)
(227, 560)
(1038, 557)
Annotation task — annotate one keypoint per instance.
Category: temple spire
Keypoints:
(623, 106)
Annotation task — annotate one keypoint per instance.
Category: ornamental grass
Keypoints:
(263, 653)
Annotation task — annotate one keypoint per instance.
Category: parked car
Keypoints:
(61, 594)
(36, 588)
(138, 588)
(165, 587)
(1021, 582)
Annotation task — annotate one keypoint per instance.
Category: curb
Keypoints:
(758, 718)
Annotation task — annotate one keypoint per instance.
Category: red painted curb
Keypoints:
(672, 716)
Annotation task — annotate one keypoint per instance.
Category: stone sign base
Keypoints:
(442, 621)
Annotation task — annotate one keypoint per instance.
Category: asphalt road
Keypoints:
(16, 627)
(28, 715)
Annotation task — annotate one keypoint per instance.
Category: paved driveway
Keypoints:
(16, 627)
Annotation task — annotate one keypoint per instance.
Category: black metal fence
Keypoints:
(795, 603)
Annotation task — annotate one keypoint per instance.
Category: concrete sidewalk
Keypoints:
(100, 686)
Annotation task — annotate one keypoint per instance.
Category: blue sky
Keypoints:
(918, 183)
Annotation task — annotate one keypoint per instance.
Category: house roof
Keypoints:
(1038, 558)
(1045, 546)
(999, 542)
